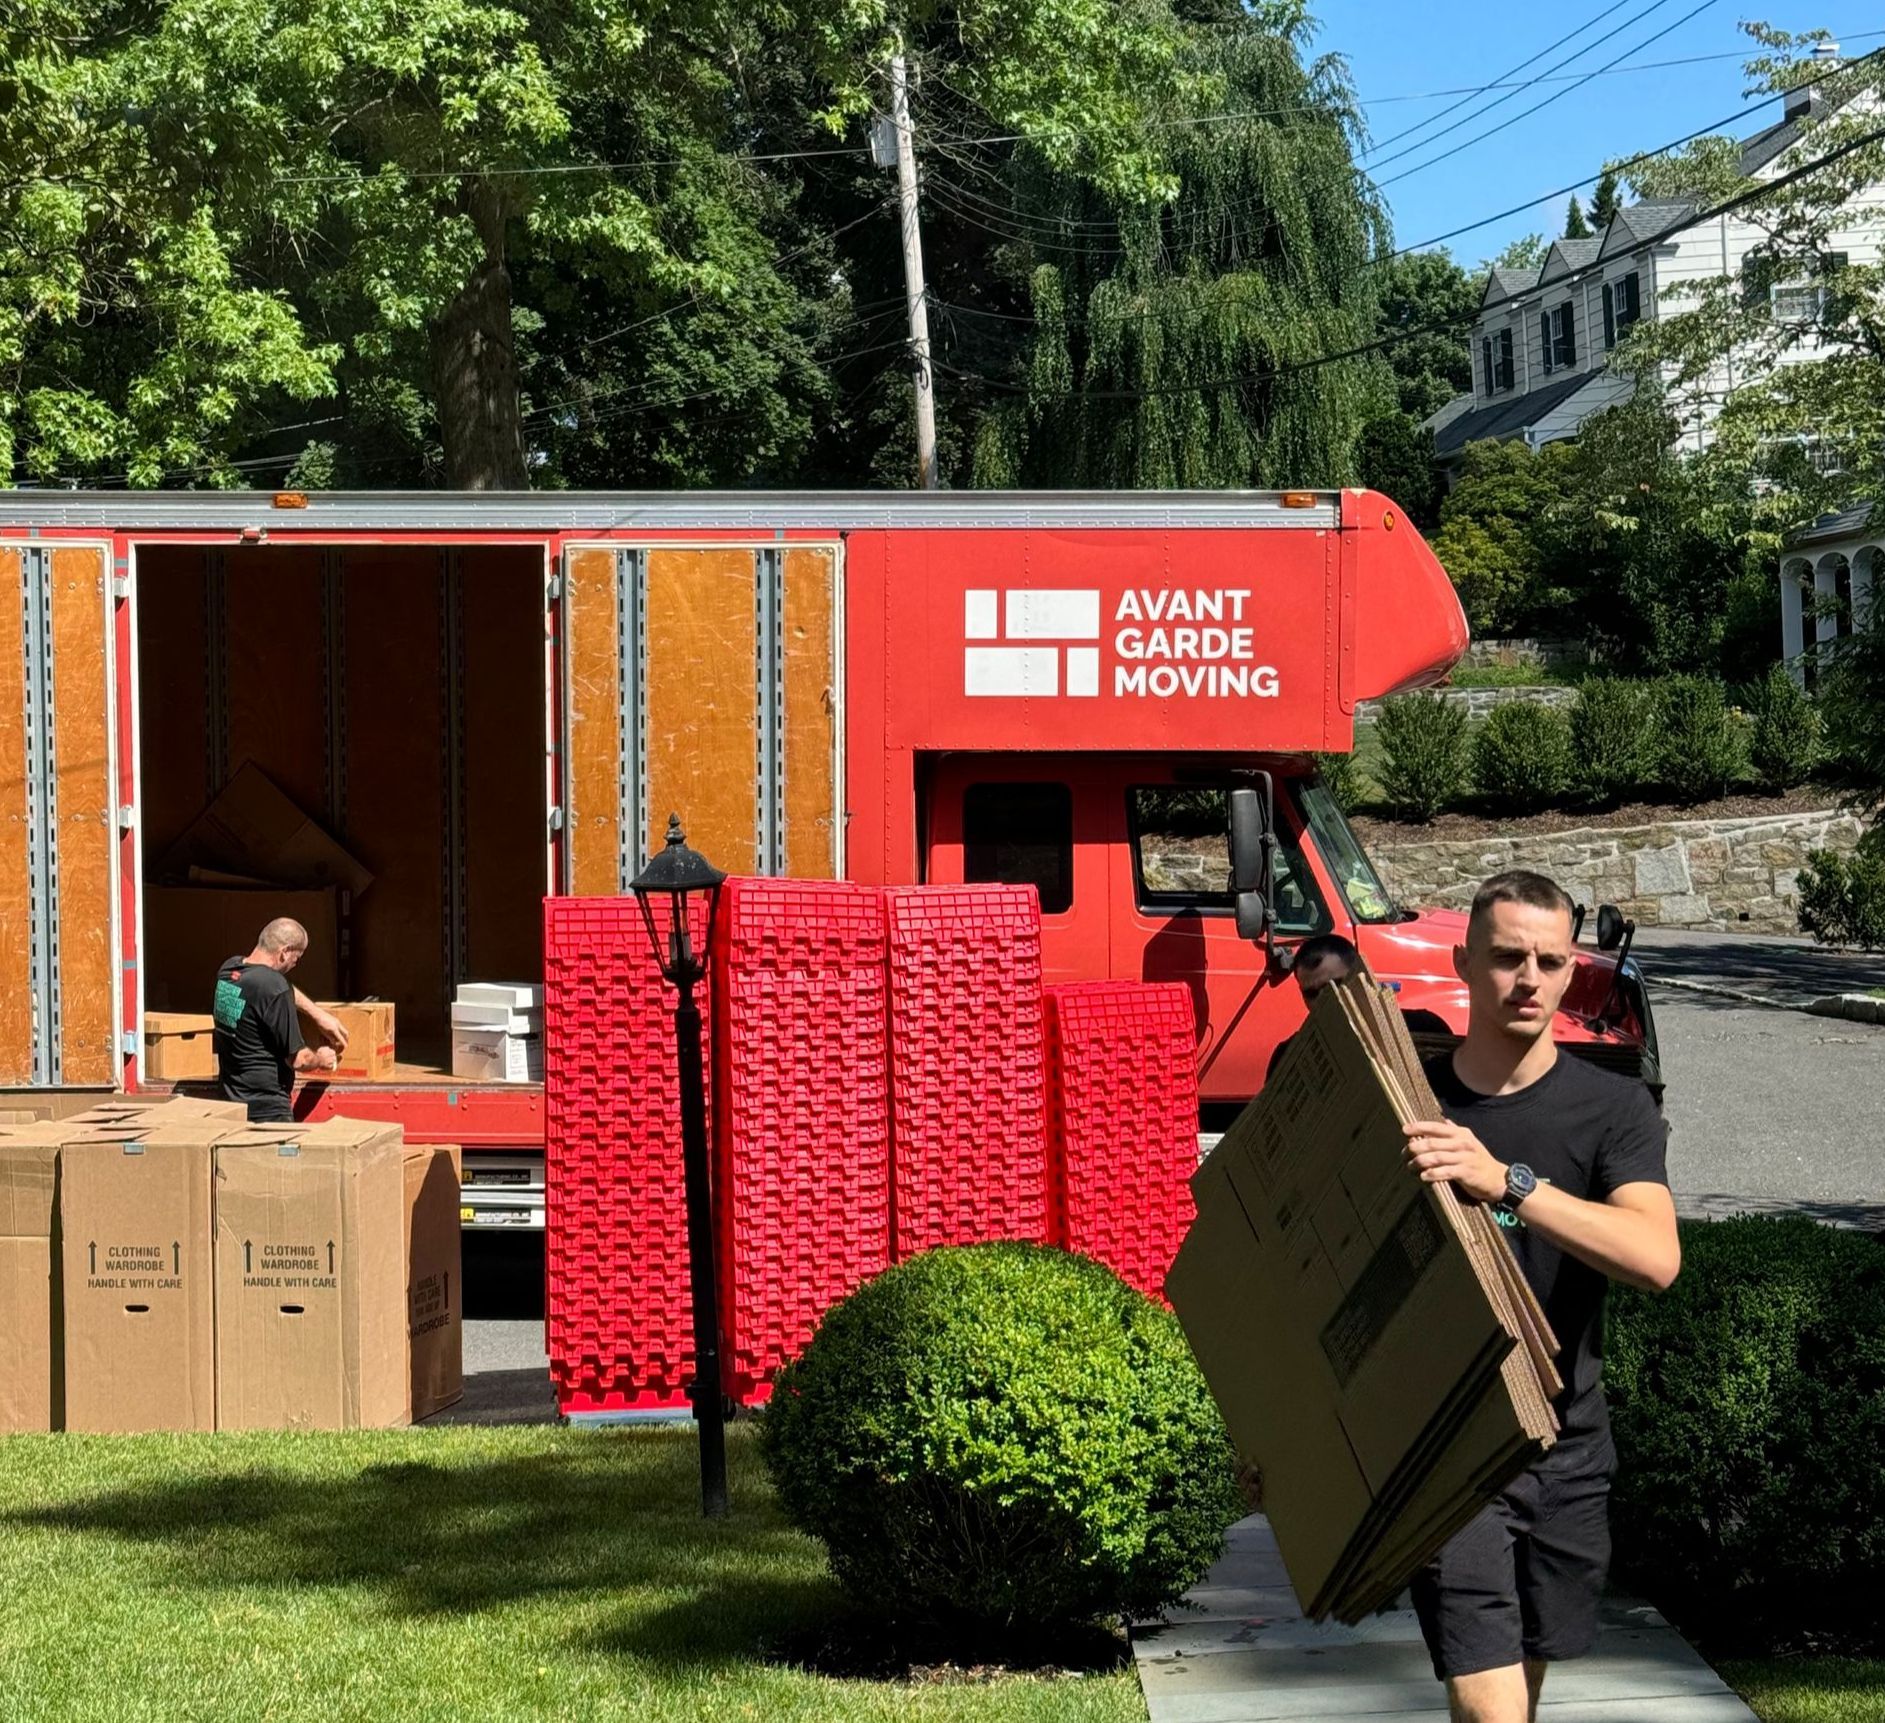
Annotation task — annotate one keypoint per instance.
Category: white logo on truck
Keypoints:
(1195, 642)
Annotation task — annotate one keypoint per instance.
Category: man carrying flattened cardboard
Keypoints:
(1571, 1159)
(258, 1036)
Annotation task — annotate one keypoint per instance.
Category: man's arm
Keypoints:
(325, 1021)
(1630, 1236)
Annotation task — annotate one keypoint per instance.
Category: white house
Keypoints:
(1543, 339)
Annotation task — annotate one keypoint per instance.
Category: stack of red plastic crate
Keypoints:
(1123, 1122)
(802, 1113)
(621, 1328)
(889, 1075)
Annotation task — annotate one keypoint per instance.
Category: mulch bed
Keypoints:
(1467, 824)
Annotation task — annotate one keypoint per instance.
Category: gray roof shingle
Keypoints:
(1506, 418)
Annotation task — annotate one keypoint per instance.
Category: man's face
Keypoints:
(1516, 964)
(1316, 977)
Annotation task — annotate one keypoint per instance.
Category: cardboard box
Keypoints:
(512, 995)
(369, 1024)
(311, 1298)
(32, 1365)
(134, 1221)
(435, 1314)
(36, 1104)
(189, 930)
(253, 830)
(179, 1047)
(490, 1056)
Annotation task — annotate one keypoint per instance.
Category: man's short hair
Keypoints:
(283, 934)
(1518, 885)
(1324, 948)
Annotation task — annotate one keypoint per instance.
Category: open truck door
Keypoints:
(703, 681)
(62, 862)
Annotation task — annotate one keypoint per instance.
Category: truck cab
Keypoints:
(1133, 863)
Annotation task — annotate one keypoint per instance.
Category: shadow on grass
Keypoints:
(597, 1517)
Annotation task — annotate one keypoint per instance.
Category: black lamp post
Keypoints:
(677, 874)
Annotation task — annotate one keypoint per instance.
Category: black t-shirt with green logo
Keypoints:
(257, 1038)
(1587, 1131)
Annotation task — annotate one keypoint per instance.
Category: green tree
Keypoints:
(1425, 306)
(1604, 202)
(1525, 252)
(1185, 344)
(1497, 535)
(1575, 226)
(1395, 457)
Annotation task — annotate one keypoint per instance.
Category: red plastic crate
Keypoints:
(1123, 1138)
(968, 1066)
(802, 1113)
(620, 1323)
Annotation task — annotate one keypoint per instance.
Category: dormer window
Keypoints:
(1557, 338)
(1623, 305)
(1495, 361)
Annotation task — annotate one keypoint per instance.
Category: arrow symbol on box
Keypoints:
(330, 1256)
(93, 1248)
(247, 1263)
(176, 1257)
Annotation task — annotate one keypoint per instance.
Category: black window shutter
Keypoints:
(1505, 359)
(1610, 318)
(1633, 304)
(1544, 340)
(1485, 363)
(1567, 314)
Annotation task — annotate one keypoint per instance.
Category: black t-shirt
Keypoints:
(1587, 1131)
(257, 1037)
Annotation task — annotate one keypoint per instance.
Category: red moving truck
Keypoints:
(483, 698)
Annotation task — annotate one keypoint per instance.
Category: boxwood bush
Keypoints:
(1522, 757)
(1748, 1404)
(1699, 746)
(1608, 737)
(1003, 1437)
(1785, 743)
(1423, 754)
(1842, 898)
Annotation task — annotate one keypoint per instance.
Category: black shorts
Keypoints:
(1523, 1579)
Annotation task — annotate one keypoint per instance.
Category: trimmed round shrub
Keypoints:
(1423, 754)
(1609, 748)
(1522, 756)
(1784, 745)
(1748, 1405)
(1000, 1437)
(1699, 746)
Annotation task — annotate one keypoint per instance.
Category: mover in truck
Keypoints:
(505, 695)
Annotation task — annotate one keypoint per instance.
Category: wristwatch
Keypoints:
(1520, 1182)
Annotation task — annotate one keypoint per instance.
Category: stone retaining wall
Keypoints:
(1738, 874)
(1486, 653)
(1479, 702)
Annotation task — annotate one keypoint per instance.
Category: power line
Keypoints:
(1438, 326)
(1538, 107)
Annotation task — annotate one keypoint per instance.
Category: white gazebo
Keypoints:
(1828, 575)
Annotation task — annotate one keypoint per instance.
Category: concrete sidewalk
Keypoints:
(1246, 1655)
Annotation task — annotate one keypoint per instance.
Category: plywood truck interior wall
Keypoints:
(395, 694)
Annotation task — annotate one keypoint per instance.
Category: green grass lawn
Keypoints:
(1811, 1689)
(459, 1573)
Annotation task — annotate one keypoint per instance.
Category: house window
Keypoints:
(1557, 338)
(1806, 300)
(1623, 305)
(1485, 363)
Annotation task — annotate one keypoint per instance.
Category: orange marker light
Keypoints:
(1299, 499)
(291, 499)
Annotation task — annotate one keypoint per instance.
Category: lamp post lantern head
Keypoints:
(677, 873)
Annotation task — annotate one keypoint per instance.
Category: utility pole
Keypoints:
(913, 285)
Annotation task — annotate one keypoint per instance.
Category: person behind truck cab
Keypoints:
(1569, 1157)
(1321, 960)
(258, 1034)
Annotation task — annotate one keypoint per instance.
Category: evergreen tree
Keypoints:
(1605, 201)
(1575, 226)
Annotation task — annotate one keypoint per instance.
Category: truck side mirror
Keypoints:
(1609, 927)
(1252, 850)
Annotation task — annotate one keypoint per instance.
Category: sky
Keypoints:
(1560, 131)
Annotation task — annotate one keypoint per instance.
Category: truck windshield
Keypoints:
(1354, 873)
